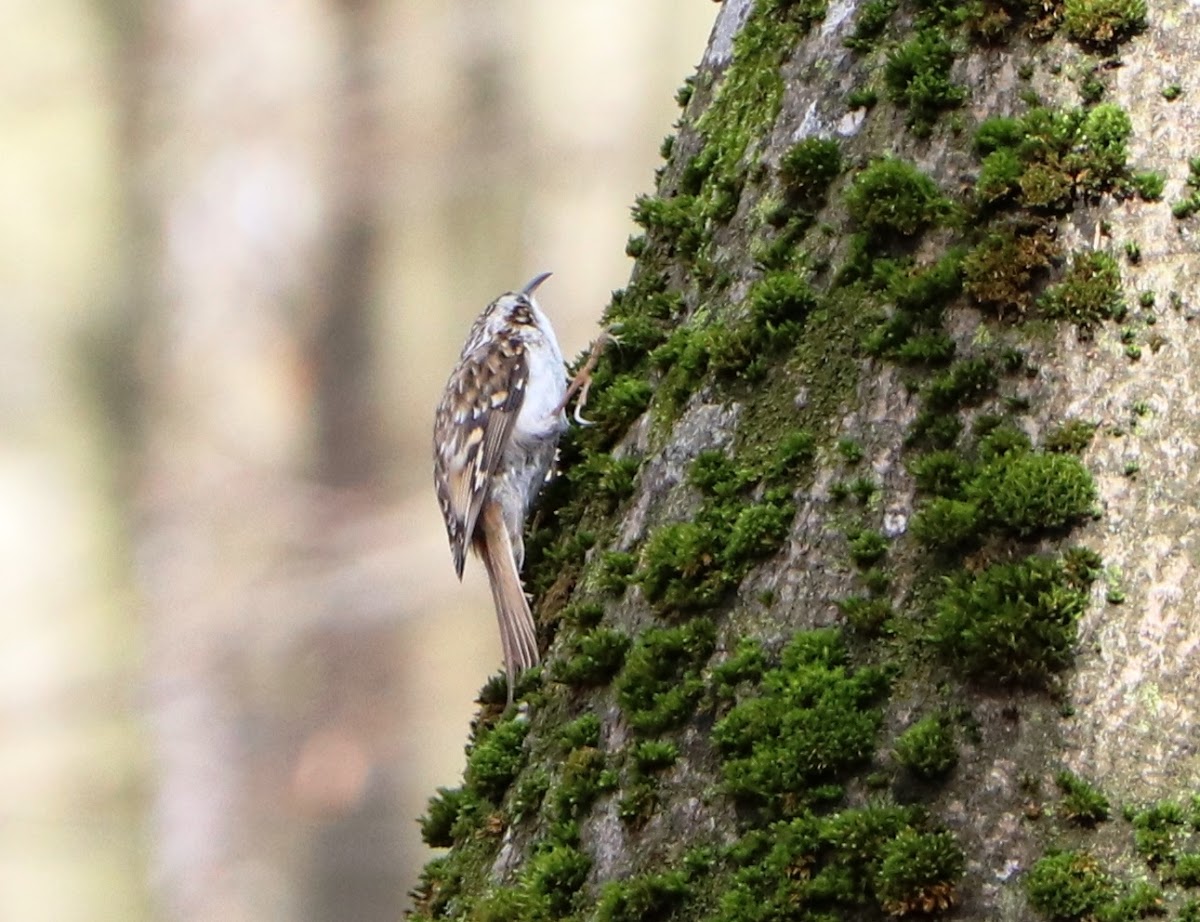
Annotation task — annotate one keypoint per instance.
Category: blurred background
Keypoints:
(240, 246)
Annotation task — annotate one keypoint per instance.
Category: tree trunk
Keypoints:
(868, 591)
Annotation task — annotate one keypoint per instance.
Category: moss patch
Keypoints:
(1101, 25)
(661, 682)
(1089, 294)
(892, 197)
(815, 718)
(917, 75)
(1013, 622)
(927, 748)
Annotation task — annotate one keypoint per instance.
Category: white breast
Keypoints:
(540, 414)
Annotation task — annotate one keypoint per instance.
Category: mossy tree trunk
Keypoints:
(869, 591)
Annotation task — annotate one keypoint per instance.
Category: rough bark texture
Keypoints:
(812, 332)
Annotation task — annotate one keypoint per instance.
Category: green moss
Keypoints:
(810, 166)
(867, 547)
(989, 22)
(528, 794)
(1012, 622)
(746, 664)
(863, 489)
(815, 719)
(759, 531)
(862, 98)
(651, 756)
(688, 566)
(1101, 25)
(877, 580)
(1149, 185)
(863, 860)
(999, 179)
(684, 94)
(746, 101)
(779, 300)
(934, 429)
(741, 351)
(926, 349)
(1034, 493)
(868, 615)
(639, 801)
(581, 732)
(614, 408)
(1089, 294)
(965, 383)
(893, 198)
(919, 872)
(1069, 887)
(946, 524)
(1043, 160)
(917, 75)
(1190, 204)
(583, 615)
(683, 359)
(1082, 803)
(1071, 437)
(927, 748)
(677, 221)
(1105, 131)
(1158, 831)
(585, 776)
(555, 876)
(998, 133)
(614, 571)
(549, 887)
(1187, 869)
(795, 453)
(913, 332)
(940, 473)
(495, 759)
(552, 554)
(645, 898)
(661, 681)
(443, 814)
(605, 479)
(681, 567)
(872, 19)
(851, 450)
(593, 658)
(1141, 901)
(999, 441)
(1091, 89)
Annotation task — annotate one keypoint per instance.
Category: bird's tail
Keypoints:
(517, 629)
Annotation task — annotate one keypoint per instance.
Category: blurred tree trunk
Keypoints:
(839, 328)
(234, 109)
(264, 715)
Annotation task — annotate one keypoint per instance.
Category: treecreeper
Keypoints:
(495, 436)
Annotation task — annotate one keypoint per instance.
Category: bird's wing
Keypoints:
(473, 425)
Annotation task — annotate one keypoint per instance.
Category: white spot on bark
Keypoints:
(895, 523)
(850, 123)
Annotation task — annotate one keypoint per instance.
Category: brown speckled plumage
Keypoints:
(495, 435)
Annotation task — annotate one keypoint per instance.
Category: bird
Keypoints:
(495, 436)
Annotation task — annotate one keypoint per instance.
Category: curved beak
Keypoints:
(532, 284)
